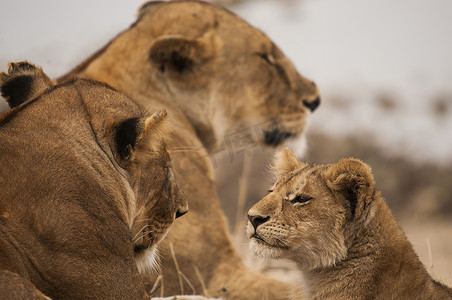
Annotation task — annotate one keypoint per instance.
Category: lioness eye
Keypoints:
(300, 199)
(267, 58)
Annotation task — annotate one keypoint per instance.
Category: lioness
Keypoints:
(87, 189)
(331, 221)
(225, 85)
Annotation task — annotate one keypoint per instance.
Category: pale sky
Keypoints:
(352, 48)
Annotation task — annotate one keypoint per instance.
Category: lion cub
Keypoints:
(331, 221)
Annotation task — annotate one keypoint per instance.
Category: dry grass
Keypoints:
(181, 275)
(201, 280)
(241, 199)
(157, 284)
(181, 283)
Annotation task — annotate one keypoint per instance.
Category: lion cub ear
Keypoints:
(138, 136)
(24, 81)
(285, 161)
(177, 56)
(353, 180)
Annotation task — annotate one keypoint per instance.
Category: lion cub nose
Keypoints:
(258, 220)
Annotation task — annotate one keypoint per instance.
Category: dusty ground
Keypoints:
(420, 196)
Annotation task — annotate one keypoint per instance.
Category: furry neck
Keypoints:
(379, 248)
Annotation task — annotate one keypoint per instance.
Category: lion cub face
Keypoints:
(310, 211)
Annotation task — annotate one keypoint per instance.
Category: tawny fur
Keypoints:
(340, 232)
(86, 187)
(217, 77)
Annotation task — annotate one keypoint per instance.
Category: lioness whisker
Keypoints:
(136, 238)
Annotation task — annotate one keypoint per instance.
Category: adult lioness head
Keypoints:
(87, 186)
(227, 76)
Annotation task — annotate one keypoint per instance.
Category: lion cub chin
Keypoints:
(331, 221)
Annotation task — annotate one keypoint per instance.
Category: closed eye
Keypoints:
(300, 199)
(268, 58)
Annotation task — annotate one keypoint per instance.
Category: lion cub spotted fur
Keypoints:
(331, 221)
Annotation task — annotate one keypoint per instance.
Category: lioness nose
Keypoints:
(180, 212)
(258, 220)
(312, 104)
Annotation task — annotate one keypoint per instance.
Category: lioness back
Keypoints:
(331, 221)
(86, 187)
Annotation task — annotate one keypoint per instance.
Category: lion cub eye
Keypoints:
(299, 199)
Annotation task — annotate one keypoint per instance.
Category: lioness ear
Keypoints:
(23, 82)
(141, 135)
(155, 131)
(177, 55)
(353, 180)
(285, 161)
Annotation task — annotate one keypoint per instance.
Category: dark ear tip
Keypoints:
(22, 82)
(15, 89)
(21, 67)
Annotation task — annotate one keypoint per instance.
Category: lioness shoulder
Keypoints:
(330, 220)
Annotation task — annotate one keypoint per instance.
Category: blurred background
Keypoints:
(384, 68)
